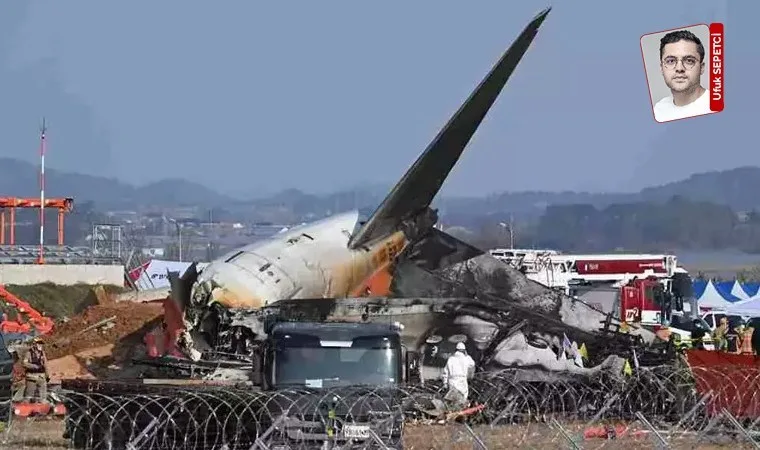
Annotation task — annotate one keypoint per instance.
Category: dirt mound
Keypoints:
(59, 301)
(128, 321)
(67, 367)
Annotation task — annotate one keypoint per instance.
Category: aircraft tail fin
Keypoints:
(420, 184)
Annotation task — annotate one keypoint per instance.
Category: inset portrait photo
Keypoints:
(678, 67)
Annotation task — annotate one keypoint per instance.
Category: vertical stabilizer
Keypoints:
(420, 184)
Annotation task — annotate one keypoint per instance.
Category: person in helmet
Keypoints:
(36, 373)
(459, 367)
(698, 334)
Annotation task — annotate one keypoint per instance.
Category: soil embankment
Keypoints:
(93, 333)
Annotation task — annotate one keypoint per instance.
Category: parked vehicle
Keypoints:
(684, 325)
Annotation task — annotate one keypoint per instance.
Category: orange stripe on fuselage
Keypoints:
(383, 255)
(377, 285)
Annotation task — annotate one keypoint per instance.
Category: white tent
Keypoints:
(750, 308)
(737, 290)
(711, 298)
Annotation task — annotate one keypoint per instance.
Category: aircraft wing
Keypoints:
(415, 191)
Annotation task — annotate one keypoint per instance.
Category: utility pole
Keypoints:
(41, 257)
(511, 231)
(509, 228)
(179, 236)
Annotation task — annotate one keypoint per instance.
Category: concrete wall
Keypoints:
(63, 274)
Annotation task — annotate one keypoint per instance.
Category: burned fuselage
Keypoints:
(343, 256)
(428, 279)
(498, 334)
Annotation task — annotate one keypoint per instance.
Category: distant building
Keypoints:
(154, 252)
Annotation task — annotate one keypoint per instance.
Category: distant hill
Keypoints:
(737, 188)
(21, 179)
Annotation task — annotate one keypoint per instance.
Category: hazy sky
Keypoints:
(251, 97)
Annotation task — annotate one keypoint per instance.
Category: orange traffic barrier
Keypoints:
(25, 409)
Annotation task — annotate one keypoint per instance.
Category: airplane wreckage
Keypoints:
(396, 266)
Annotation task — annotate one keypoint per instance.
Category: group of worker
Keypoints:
(729, 337)
(736, 338)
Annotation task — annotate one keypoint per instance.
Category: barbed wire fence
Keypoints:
(660, 407)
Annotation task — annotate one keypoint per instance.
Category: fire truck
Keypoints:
(636, 288)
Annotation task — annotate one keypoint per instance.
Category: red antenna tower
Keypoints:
(41, 258)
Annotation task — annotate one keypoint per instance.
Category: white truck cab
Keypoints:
(713, 317)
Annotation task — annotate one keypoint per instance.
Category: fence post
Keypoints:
(134, 444)
(259, 443)
(374, 437)
(710, 425)
(689, 415)
(475, 437)
(657, 434)
(740, 428)
(565, 434)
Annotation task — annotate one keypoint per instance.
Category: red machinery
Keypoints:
(37, 321)
(638, 304)
(42, 325)
(620, 266)
(63, 205)
(25, 410)
(623, 283)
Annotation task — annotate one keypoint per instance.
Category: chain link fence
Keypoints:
(661, 407)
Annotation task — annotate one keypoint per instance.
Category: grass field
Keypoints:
(46, 434)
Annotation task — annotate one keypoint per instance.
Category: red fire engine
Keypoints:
(637, 288)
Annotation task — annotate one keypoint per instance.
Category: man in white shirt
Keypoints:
(682, 61)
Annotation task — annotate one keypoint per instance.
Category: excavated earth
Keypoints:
(102, 336)
(69, 338)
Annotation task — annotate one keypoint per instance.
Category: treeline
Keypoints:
(678, 223)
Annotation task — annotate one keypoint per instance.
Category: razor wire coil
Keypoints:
(109, 415)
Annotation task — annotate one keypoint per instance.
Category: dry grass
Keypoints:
(34, 434)
(37, 434)
(539, 436)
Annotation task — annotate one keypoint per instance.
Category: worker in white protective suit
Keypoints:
(459, 367)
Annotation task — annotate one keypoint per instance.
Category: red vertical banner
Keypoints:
(717, 58)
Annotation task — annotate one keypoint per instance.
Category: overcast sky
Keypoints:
(253, 97)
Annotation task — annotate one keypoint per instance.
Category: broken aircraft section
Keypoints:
(396, 266)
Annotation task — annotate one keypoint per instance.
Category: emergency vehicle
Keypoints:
(636, 288)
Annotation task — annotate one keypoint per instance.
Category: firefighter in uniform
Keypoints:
(36, 373)
(719, 335)
(459, 367)
(746, 341)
